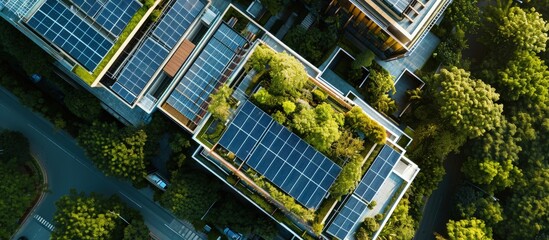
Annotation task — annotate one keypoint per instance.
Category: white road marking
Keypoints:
(134, 202)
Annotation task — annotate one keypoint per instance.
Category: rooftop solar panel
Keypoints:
(139, 69)
(57, 23)
(177, 20)
(90, 7)
(289, 166)
(192, 93)
(377, 173)
(349, 215)
(116, 14)
(312, 184)
(240, 141)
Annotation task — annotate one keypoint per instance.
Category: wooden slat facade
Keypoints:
(179, 57)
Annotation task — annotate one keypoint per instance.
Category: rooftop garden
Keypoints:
(287, 93)
(89, 77)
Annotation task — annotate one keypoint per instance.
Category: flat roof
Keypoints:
(279, 155)
(405, 23)
(139, 68)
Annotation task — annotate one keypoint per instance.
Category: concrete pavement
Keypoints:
(67, 167)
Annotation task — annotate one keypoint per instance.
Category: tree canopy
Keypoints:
(220, 106)
(526, 76)
(19, 187)
(468, 229)
(525, 29)
(188, 197)
(379, 86)
(319, 126)
(288, 76)
(468, 104)
(117, 152)
(95, 217)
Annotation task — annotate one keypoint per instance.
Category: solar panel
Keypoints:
(57, 23)
(377, 173)
(239, 141)
(139, 69)
(90, 7)
(346, 219)
(292, 168)
(265, 147)
(190, 97)
(177, 20)
(116, 14)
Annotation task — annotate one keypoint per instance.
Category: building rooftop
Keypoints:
(145, 61)
(404, 19)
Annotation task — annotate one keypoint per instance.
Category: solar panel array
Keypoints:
(294, 166)
(281, 156)
(141, 66)
(57, 23)
(113, 15)
(90, 7)
(364, 193)
(347, 217)
(176, 21)
(154, 50)
(116, 14)
(377, 173)
(245, 130)
(190, 97)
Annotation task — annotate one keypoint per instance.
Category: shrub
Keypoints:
(319, 95)
(279, 117)
(289, 107)
(371, 225)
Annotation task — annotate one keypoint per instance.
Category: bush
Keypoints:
(364, 59)
(361, 234)
(319, 95)
(288, 107)
(372, 205)
(279, 117)
(371, 225)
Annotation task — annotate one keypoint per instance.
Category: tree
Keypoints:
(220, 106)
(363, 59)
(474, 203)
(319, 126)
(136, 230)
(260, 58)
(357, 120)
(83, 105)
(464, 14)
(494, 158)
(19, 186)
(288, 76)
(361, 234)
(400, 226)
(525, 77)
(348, 146)
(188, 198)
(288, 107)
(524, 29)
(527, 209)
(469, 105)
(347, 179)
(380, 85)
(311, 44)
(117, 152)
(79, 216)
(468, 229)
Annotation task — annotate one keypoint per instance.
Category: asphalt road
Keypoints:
(67, 167)
(436, 213)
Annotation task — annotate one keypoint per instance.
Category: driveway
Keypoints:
(67, 167)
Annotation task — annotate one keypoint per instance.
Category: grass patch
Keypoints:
(88, 77)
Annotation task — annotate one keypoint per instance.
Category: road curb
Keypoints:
(40, 198)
